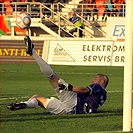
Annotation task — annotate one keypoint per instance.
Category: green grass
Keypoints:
(20, 81)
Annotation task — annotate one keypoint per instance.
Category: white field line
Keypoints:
(107, 132)
(59, 72)
(114, 91)
(12, 98)
(15, 98)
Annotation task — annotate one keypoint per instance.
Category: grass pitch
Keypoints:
(20, 81)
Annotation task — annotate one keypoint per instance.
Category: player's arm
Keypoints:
(78, 89)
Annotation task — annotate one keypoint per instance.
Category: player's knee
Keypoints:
(54, 81)
(35, 96)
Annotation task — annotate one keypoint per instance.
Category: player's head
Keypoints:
(101, 79)
(73, 13)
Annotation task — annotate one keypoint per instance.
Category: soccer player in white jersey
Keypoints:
(71, 99)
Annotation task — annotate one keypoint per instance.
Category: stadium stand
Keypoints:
(100, 5)
(55, 14)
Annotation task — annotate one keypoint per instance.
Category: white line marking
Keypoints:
(60, 72)
(12, 98)
(114, 91)
(107, 132)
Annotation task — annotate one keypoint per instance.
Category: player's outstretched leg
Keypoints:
(44, 67)
(33, 102)
(29, 45)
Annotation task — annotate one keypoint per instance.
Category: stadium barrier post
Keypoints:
(128, 68)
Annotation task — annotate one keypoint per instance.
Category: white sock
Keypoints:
(45, 68)
(31, 103)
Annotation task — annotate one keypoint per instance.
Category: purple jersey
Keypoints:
(89, 103)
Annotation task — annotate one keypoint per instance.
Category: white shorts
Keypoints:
(65, 103)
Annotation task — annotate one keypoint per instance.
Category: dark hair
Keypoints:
(105, 78)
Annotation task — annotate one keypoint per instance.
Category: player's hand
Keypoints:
(62, 84)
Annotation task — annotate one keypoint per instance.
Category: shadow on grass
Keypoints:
(20, 116)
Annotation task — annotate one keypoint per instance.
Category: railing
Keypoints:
(63, 23)
(34, 9)
(84, 21)
(100, 9)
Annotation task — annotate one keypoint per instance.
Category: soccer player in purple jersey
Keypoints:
(71, 99)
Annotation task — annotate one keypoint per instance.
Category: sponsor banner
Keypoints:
(101, 53)
(116, 28)
(14, 51)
